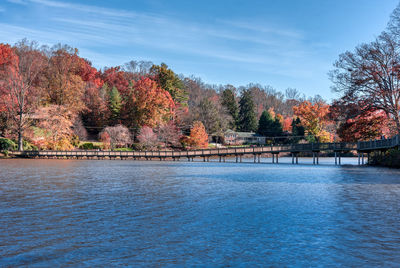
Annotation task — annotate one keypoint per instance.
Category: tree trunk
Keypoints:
(20, 137)
(20, 141)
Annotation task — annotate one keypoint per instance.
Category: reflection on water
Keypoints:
(86, 213)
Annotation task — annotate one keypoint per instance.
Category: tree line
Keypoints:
(52, 98)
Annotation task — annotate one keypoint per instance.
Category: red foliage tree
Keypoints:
(114, 77)
(19, 93)
(366, 126)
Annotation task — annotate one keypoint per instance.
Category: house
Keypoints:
(235, 138)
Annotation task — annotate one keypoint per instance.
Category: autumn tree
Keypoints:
(366, 126)
(56, 124)
(147, 138)
(314, 118)
(115, 77)
(96, 114)
(118, 135)
(169, 134)
(213, 116)
(19, 91)
(64, 85)
(147, 105)
(170, 82)
(247, 115)
(370, 76)
(198, 136)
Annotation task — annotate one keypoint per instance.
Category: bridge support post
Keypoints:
(340, 159)
(277, 158)
(358, 155)
(220, 159)
(240, 158)
(362, 158)
(237, 158)
(313, 158)
(297, 159)
(317, 158)
(259, 158)
(335, 158)
(273, 159)
(368, 157)
(204, 159)
(255, 158)
(292, 158)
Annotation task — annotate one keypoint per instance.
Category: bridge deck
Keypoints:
(361, 147)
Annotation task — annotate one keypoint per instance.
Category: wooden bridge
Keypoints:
(362, 148)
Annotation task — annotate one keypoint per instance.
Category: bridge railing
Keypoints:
(379, 144)
(308, 147)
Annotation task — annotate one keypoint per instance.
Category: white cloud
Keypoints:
(264, 48)
(19, 2)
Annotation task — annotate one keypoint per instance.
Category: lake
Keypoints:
(137, 213)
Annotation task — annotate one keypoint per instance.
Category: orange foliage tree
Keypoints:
(64, 85)
(147, 104)
(56, 123)
(198, 136)
(314, 118)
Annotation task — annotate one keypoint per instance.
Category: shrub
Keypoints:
(391, 158)
(123, 149)
(29, 146)
(7, 145)
(86, 146)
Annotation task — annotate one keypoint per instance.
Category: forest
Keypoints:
(53, 99)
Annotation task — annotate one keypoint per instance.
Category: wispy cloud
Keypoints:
(19, 2)
(268, 49)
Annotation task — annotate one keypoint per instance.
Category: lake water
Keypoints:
(111, 213)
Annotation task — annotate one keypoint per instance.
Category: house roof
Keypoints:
(242, 134)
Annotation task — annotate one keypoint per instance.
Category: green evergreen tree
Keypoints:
(265, 124)
(277, 128)
(115, 104)
(268, 126)
(247, 115)
(297, 130)
(228, 100)
(170, 82)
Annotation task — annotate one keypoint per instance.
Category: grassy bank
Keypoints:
(390, 158)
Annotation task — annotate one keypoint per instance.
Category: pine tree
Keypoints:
(170, 82)
(265, 124)
(115, 104)
(229, 102)
(268, 126)
(297, 129)
(247, 115)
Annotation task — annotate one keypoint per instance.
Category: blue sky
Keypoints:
(285, 43)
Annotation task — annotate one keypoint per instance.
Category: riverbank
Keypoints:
(390, 158)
